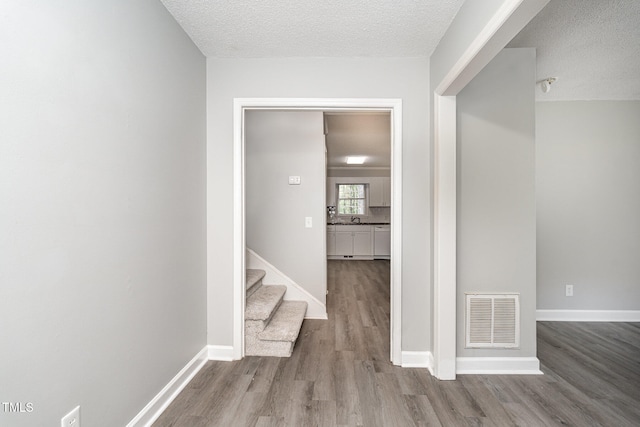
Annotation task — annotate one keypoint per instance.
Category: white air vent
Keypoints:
(492, 320)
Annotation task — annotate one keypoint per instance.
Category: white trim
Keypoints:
(418, 359)
(161, 401)
(239, 276)
(394, 107)
(588, 315)
(315, 308)
(498, 366)
(477, 45)
(489, 41)
(444, 237)
(224, 353)
(396, 233)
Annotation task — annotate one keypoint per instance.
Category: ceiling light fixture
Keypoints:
(354, 160)
(545, 84)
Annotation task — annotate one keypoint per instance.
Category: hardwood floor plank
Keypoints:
(394, 410)
(347, 398)
(264, 375)
(339, 375)
(246, 413)
(270, 422)
(420, 410)
(487, 402)
(364, 375)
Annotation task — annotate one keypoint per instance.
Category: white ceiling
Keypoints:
(358, 134)
(591, 46)
(314, 28)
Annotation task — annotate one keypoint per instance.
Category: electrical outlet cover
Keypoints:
(72, 419)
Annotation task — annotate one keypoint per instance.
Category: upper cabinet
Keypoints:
(379, 191)
(331, 191)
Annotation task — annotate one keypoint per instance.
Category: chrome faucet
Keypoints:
(355, 219)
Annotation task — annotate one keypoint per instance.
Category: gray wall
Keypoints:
(496, 191)
(102, 188)
(406, 78)
(279, 144)
(588, 195)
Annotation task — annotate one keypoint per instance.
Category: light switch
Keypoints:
(308, 222)
(294, 180)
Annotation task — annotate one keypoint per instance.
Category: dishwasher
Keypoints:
(381, 242)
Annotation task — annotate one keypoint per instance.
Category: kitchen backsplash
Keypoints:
(379, 214)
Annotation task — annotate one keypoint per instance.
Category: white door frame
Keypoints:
(394, 107)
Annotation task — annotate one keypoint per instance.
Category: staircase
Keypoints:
(271, 325)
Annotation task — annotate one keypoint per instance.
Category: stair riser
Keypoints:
(254, 327)
(256, 347)
(254, 280)
(252, 290)
(263, 306)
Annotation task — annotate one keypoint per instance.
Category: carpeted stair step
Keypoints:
(254, 280)
(286, 322)
(262, 304)
(279, 337)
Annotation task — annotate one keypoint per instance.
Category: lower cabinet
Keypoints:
(350, 241)
(331, 241)
(362, 243)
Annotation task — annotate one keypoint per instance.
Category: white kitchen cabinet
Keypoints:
(331, 192)
(352, 241)
(379, 191)
(344, 243)
(382, 242)
(331, 240)
(362, 242)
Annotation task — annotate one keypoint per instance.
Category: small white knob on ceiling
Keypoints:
(545, 84)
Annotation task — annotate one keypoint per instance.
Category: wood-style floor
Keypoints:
(339, 374)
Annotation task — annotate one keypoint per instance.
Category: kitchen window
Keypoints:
(351, 199)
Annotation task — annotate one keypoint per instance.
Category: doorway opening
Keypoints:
(392, 107)
(358, 198)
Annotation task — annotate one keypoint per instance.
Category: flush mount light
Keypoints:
(355, 160)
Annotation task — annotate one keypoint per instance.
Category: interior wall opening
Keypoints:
(358, 198)
(391, 109)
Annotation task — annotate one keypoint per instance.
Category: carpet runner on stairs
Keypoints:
(271, 324)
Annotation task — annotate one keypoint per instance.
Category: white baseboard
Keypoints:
(159, 403)
(315, 308)
(417, 359)
(498, 366)
(220, 352)
(588, 315)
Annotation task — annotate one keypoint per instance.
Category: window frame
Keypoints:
(365, 198)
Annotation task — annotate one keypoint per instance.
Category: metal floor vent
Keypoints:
(492, 320)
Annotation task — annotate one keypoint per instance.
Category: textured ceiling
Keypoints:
(358, 134)
(591, 46)
(314, 28)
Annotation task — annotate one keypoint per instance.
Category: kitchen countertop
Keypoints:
(359, 223)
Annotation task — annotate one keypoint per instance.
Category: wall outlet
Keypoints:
(294, 180)
(72, 419)
(308, 222)
(568, 290)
